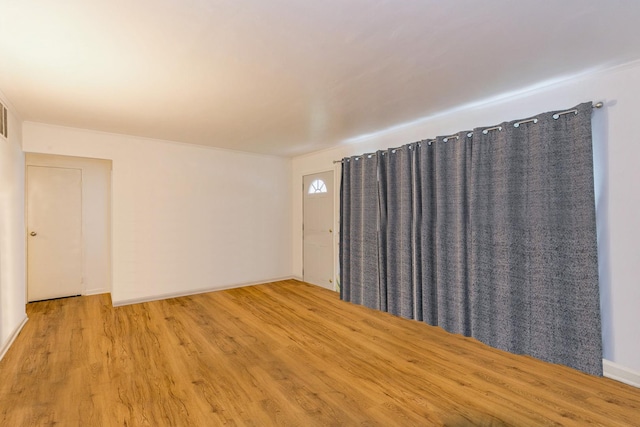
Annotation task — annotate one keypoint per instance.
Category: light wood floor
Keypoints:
(285, 353)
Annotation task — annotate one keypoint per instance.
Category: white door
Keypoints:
(54, 232)
(318, 229)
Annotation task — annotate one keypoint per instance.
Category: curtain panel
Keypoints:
(489, 234)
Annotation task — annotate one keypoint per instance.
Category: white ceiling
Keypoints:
(287, 77)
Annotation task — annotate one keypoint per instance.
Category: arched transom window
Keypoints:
(317, 186)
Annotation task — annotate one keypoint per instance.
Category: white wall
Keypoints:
(184, 218)
(12, 234)
(617, 152)
(96, 216)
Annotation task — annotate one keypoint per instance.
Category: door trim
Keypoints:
(98, 171)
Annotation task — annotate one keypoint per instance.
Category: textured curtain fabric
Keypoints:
(396, 232)
(489, 234)
(534, 275)
(359, 221)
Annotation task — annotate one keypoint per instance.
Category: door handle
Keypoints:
(33, 233)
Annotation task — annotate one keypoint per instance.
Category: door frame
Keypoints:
(336, 221)
(84, 164)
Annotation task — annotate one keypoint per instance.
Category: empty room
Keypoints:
(278, 213)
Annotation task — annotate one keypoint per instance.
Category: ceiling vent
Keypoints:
(3, 121)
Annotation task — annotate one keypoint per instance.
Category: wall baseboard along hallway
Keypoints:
(194, 292)
(12, 337)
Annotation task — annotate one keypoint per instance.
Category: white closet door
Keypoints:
(54, 232)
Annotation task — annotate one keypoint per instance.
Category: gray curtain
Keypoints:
(359, 221)
(489, 234)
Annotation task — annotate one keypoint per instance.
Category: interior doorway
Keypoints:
(317, 233)
(95, 234)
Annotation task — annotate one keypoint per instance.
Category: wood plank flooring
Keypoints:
(285, 354)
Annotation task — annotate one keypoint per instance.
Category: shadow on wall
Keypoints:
(600, 126)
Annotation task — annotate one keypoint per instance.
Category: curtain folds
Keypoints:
(359, 231)
(489, 234)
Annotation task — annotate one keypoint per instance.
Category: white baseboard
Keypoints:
(120, 303)
(620, 373)
(95, 292)
(13, 337)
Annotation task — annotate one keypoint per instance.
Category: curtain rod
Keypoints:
(517, 124)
